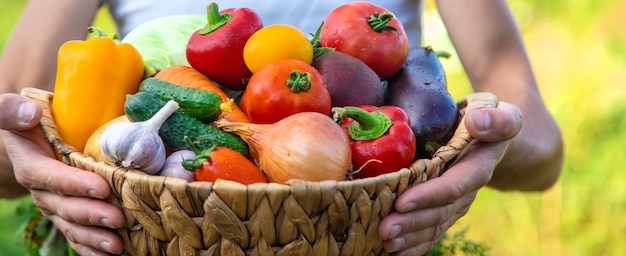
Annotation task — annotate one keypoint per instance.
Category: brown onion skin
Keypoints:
(306, 146)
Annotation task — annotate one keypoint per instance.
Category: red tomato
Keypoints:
(227, 164)
(368, 32)
(283, 88)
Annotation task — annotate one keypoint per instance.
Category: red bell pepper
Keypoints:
(381, 138)
(217, 49)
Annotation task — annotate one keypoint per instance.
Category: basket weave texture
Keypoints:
(170, 216)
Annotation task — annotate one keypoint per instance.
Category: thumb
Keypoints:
(494, 124)
(18, 113)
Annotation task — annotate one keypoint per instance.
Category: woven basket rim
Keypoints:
(444, 154)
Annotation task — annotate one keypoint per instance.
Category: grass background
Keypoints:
(578, 51)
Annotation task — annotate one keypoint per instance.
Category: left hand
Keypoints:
(424, 212)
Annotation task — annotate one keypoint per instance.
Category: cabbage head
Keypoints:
(162, 42)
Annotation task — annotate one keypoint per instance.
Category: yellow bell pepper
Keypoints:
(92, 80)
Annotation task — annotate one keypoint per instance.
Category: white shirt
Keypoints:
(307, 15)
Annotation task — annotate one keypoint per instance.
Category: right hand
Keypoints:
(70, 197)
(425, 212)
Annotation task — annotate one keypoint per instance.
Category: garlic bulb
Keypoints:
(137, 145)
(173, 165)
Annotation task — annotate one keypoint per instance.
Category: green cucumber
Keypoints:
(201, 104)
(142, 106)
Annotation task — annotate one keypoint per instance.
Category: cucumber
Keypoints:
(142, 106)
(201, 104)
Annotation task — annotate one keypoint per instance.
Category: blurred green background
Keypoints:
(578, 51)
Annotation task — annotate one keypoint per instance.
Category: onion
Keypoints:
(306, 146)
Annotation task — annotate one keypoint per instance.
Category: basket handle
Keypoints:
(461, 137)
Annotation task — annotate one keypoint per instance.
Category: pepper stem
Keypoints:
(299, 81)
(378, 21)
(366, 125)
(93, 32)
(214, 19)
(96, 32)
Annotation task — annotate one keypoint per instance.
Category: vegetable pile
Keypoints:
(227, 97)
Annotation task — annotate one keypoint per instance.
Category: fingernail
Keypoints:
(26, 111)
(481, 120)
(409, 207)
(395, 231)
(93, 193)
(106, 246)
(107, 223)
(399, 242)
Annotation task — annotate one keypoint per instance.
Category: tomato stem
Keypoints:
(201, 154)
(378, 21)
(214, 19)
(317, 44)
(366, 125)
(299, 81)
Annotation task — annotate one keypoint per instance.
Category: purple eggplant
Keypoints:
(420, 88)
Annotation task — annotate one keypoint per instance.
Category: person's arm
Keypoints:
(518, 144)
(492, 52)
(29, 57)
(71, 198)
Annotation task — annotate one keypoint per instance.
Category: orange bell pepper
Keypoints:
(92, 80)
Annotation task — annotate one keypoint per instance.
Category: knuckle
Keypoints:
(439, 230)
(62, 212)
(24, 180)
(444, 214)
(456, 190)
(69, 234)
(41, 204)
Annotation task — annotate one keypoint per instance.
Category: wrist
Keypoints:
(533, 160)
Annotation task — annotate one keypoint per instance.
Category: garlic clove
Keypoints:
(147, 154)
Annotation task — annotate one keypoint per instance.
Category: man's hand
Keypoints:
(69, 197)
(424, 212)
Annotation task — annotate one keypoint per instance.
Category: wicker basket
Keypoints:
(170, 216)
